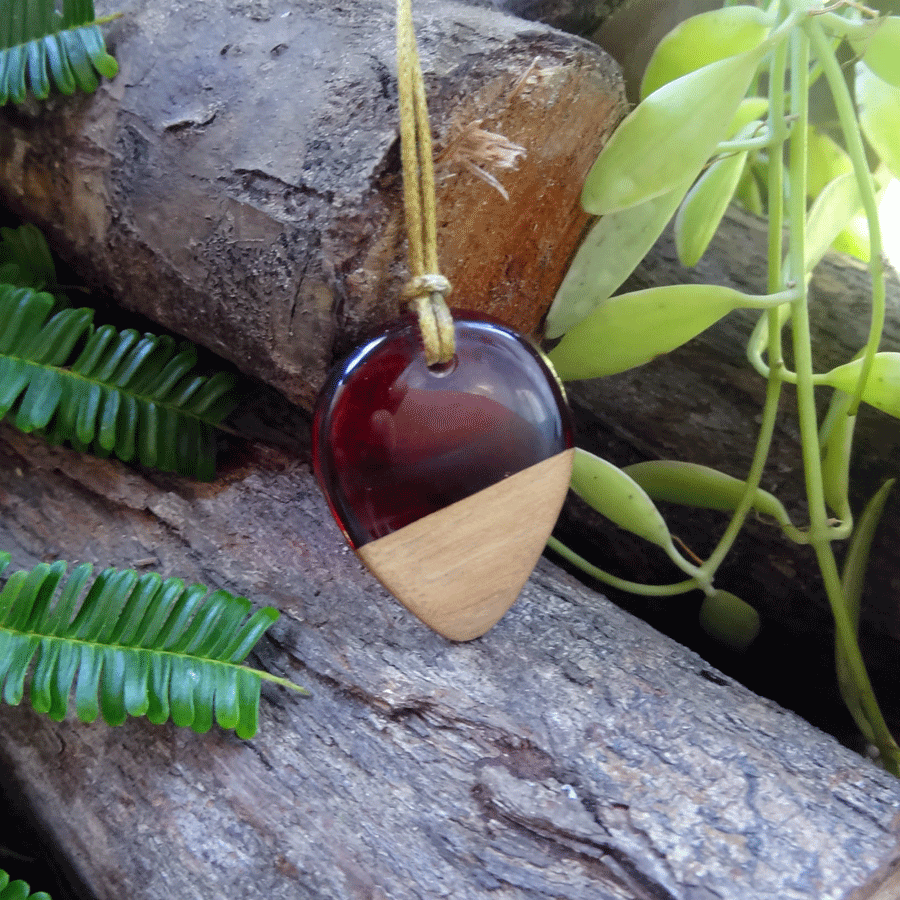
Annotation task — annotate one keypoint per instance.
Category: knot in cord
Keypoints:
(426, 290)
(425, 297)
(423, 285)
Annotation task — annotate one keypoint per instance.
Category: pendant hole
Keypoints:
(443, 369)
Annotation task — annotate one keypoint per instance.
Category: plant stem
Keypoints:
(845, 636)
(774, 382)
(632, 587)
(849, 126)
(809, 431)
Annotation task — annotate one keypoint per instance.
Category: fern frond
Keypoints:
(130, 645)
(18, 890)
(41, 46)
(25, 259)
(107, 391)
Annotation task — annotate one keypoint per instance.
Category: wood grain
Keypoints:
(238, 181)
(460, 569)
(572, 752)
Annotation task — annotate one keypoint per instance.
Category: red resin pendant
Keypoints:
(417, 462)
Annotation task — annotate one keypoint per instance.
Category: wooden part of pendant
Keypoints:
(461, 568)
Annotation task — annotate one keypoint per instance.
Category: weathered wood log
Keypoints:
(572, 752)
(238, 181)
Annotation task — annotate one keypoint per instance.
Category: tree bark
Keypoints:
(573, 752)
(238, 181)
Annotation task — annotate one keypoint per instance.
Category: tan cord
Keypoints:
(427, 288)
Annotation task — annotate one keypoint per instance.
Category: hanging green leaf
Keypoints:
(882, 386)
(837, 450)
(18, 890)
(704, 206)
(825, 161)
(668, 137)
(879, 49)
(25, 248)
(137, 396)
(629, 330)
(729, 620)
(41, 46)
(878, 104)
(617, 242)
(748, 193)
(691, 484)
(831, 213)
(130, 645)
(854, 239)
(703, 39)
(853, 577)
(609, 254)
(751, 109)
(618, 497)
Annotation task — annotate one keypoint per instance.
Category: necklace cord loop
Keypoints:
(427, 288)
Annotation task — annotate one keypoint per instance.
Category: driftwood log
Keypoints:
(573, 752)
(238, 181)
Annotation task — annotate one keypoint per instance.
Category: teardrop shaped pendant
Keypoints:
(446, 481)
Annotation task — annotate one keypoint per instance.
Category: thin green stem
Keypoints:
(850, 127)
(632, 587)
(770, 301)
(845, 636)
(819, 536)
(800, 325)
(773, 317)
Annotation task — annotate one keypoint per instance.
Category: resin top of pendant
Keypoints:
(395, 441)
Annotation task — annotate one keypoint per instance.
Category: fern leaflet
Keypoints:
(18, 890)
(107, 391)
(25, 259)
(41, 46)
(130, 645)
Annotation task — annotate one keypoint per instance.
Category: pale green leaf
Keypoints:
(825, 161)
(831, 213)
(668, 137)
(878, 104)
(704, 206)
(880, 50)
(882, 386)
(631, 329)
(836, 456)
(854, 239)
(609, 254)
(853, 576)
(692, 484)
(617, 497)
(750, 110)
(704, 39)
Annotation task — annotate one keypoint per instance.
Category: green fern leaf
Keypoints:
(42, 47)
(130, 645)
(107, 391)
(25, 259)
(18, 890)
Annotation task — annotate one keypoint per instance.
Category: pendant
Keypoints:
(446, 481)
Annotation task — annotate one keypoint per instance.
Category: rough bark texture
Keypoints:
(573, 752)
(238, 181)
